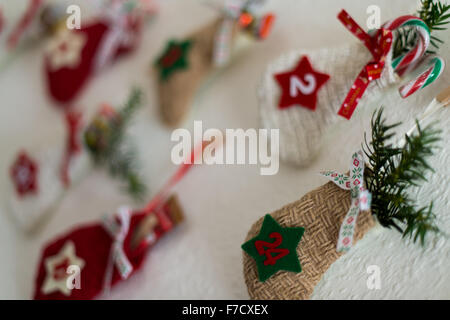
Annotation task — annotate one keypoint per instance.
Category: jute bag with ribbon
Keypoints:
(304, 93)
(287, 252)
(321, 212)
(184, 64)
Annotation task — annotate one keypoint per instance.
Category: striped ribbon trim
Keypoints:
(223, 39)
(117, 227)
(360, 198)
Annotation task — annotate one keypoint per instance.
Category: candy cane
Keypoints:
(405, 63)
(424, 79)
(241, 12)
(379, 42)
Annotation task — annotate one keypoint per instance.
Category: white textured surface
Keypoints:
(202, 259)
(32, 210)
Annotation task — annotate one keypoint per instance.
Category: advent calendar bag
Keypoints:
(305, 92)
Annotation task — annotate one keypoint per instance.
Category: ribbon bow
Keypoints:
(117, 227)
(118, 16)
(360, 198)
(380, 45)
(241, 12)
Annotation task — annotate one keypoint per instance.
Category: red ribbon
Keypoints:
(2, 20)
(73, 145)
(184, 168)
(25, 22)
(379, 45)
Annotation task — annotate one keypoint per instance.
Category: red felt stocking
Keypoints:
(91, 248)
(72, 56)
(102, 254)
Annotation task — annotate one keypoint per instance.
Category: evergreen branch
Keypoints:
(392, 171)
(105, 139)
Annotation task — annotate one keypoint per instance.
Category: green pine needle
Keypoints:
(437, 17)
(393, 170)
(118, 154)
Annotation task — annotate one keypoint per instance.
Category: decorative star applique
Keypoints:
(64, 50)
(24, 173)
(300, 86)
(56, 269)
(274, 248)
(174, 58)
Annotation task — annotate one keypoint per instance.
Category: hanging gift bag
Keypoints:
(304, 93)
(184, 64)
(107, 253)
(287, 252)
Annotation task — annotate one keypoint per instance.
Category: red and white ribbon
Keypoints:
(380, 44)
(360, 198)
(117, 16)
(118, 228)
(222, 46)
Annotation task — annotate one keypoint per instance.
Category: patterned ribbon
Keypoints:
(73, 146)
(118, 231)
(360, 198)
(380, 44)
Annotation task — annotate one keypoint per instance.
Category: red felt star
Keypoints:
(24, 174)
(301, 85)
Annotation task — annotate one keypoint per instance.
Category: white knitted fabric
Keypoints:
(302, 130)
(30, 209)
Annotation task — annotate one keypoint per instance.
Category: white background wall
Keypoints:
(202, 259)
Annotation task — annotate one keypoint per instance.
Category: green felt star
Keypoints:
(173, 58)
(274, 248)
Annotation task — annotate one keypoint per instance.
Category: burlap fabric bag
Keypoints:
(178, 91)
(302, 130)
(321, 212)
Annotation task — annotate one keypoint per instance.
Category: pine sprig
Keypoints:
(105, 139)
(436, 15)
(393, 170)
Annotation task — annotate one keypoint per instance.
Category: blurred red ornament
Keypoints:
(24, 174)
(74, 56)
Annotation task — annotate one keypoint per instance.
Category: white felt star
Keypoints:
(56, 269)
(64, 49)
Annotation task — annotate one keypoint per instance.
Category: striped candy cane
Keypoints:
(379, 43)
(406, 63)
(434, 68)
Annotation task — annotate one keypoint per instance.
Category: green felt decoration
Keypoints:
(173, 58)
(274, 248)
